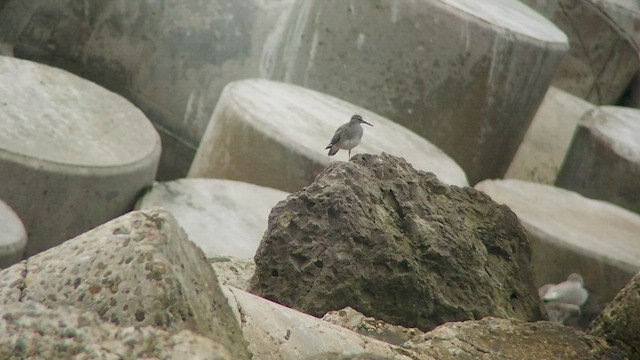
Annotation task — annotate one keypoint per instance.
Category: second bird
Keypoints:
(347, 136)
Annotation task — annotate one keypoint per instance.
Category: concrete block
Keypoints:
(466, 75)
(571, 233)
(13, 236)
(72, 154)
(222, 217)
(274, 134)
(546, 143)
(602, 59)
(603, 161)
(170, 59)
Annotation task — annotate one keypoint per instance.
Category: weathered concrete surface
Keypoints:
(32, 331)
(171, 59)
(396, 244)
(222, 217)
(72, 154)
(571, 233)
(232, 271)
(13, 236)
(274, 134)
(546, 143)
(466, 75)
(619, 323)
(603, 161)
(625, 14)
(136, 270)
(602, 59)
(279, 333)
(492, 338)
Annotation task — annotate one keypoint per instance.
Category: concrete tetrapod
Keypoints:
(274, 134)
(222, 217)
(13, 236)
(466, 75)
(603, 161)
(547, 141)
(602, 58)
(170, 59)
(571, 233)
(72, 154)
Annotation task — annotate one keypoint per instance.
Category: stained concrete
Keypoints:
(13, 236)
(603, 161)
(466, 75)
(222, 217)
(274, 134)
(546, 143)
(72, 154)
(571, 233)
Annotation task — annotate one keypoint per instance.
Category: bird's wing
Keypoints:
(336, 137)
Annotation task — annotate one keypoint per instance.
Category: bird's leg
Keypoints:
(349, 154)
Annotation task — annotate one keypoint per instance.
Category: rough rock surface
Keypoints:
(32, 331)
(619, 323)
(365, 325)
(139, 270)
(276, 332)
(396, 244)
(236, 272)
(492, 338)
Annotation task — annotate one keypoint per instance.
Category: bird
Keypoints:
(571, 291)
(562, 312)
(347, 136)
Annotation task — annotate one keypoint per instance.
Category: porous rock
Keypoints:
(32, 331)
(396, 244)
(492, 338)
(138, 270)
(619, 323)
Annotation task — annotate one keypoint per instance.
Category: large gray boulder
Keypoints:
(137, 270)
(171, 59)
(396, 244)
(466, 75)
(32, 331)
(619, 322)
(74, 155)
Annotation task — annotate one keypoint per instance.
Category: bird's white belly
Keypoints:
(350, 144)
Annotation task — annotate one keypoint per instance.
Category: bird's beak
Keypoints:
(366, 123)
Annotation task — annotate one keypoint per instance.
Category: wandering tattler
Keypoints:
(347, 136)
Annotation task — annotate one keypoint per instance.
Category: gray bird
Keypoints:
(347, 136)
(571, 291)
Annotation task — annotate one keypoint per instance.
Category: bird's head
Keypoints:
(357, 119)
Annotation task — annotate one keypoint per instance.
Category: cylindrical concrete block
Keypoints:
(170, 58)
(72, 154)
(571, 233)
(602, 59)
(274, 134)
(603, 161)
(466, 75)
(546, 143)
(13, 236)
(222, 217)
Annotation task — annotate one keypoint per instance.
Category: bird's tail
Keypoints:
(333, 150)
